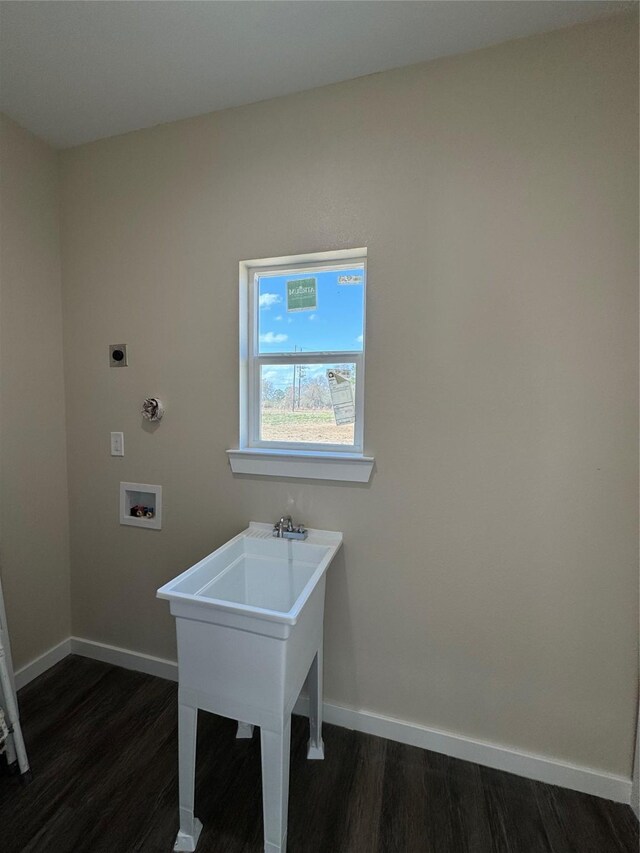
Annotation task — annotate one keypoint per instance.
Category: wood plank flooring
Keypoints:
(102, 742)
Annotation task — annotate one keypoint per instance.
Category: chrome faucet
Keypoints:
(286, 529)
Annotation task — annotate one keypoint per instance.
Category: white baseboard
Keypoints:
(539, 767)
(635, 779)
(42, 663)
(125, 658)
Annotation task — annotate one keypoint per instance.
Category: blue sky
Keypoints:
(335, 324)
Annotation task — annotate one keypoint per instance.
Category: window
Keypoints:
(306, 356)
(302, 343)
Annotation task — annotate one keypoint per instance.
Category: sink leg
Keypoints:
(315, 747)
(275, 747)
(244, 731)
(190, 826)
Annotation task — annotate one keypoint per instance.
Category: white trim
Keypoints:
(635, 781)
(539, 767)
(161, 667)
(338, 256)
(42, 663)
(304, 464)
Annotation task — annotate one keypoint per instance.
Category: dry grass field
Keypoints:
(316, 425)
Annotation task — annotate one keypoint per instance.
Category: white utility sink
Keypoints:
(249, 623)
(255, 575)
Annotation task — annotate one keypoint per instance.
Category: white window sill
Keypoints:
(304, 464)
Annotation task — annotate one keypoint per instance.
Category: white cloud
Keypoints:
(312, 316)
(271, 374)
(279, 317)
(316, 371)
(269, 299)
(359, 339)
(270, 338)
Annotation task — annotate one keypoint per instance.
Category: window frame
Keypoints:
(256, 360)
(251, 360)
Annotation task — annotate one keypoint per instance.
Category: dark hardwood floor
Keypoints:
(103, 749)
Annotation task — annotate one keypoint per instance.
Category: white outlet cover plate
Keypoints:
(117, 444)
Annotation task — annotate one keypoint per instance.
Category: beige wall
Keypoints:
(489, 583)
(34, 532)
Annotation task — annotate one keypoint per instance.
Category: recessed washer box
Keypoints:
(141, 505)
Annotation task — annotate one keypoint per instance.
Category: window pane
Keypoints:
(298, 404)
(314, 311)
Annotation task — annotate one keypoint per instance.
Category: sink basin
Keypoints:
(249, 626)
(255, 575)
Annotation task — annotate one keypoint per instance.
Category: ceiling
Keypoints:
(72, 72)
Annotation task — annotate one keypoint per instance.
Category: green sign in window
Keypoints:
(301, 295)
